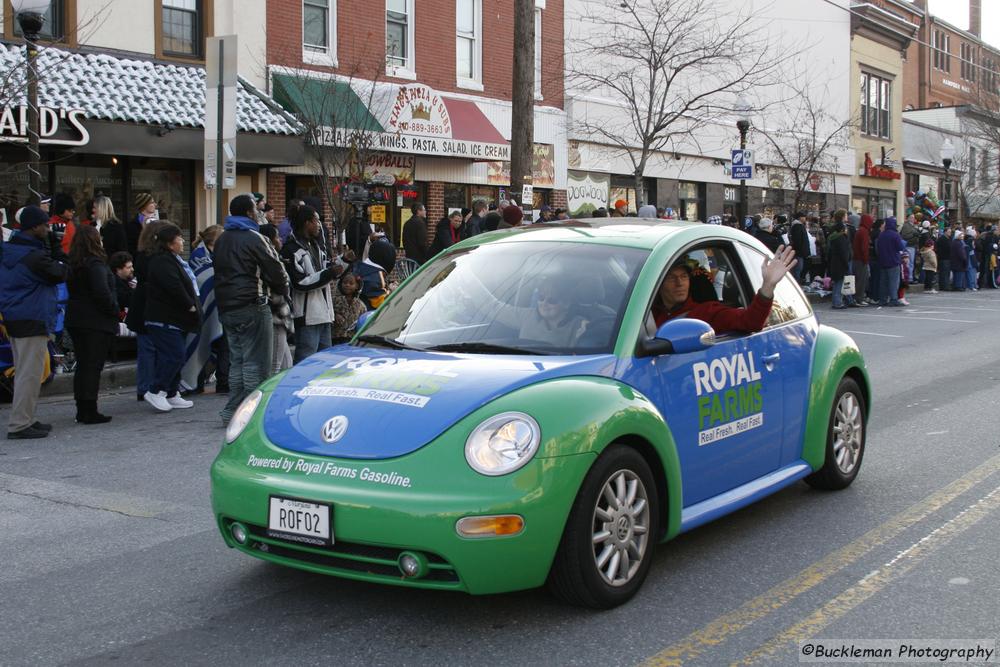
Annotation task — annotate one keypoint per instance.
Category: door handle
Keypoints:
(770, 360)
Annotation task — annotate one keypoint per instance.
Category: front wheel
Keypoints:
(607, 546)
(845, 440)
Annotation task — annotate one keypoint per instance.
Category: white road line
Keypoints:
(992, 310)
(928, 319)
(870, 333)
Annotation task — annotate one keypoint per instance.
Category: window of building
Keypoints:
(182, 34)
(55, 22)
(989, 78)
(973, 163)
(875, 100)
(399, 37)
(942, 51)
(984, 169)
(319, 31)
(468, 45)
(968, 62)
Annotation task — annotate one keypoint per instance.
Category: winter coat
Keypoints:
(770, 240)
(374, 283)
(247, 266)
(942, 248)
(959, 256)
(862, 238)
(839, 256)
(472, 227)
(445, 237)
(93, 303)
(910, 233)
(930, 258)
(28, 277)
(113, 237)
(888, 246)
(312, 295)
(799, 238)
(415, 239)
(170, 294)
(133, 228)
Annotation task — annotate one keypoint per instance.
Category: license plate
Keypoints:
(299, 521)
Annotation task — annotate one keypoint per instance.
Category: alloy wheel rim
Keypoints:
(620, 527)
(848, 430)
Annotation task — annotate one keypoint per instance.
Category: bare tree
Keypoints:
(671, 68)
(803, 137)
(980, 184)
(339, 114)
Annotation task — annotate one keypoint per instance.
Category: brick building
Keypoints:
(429, 84)
(945, 65)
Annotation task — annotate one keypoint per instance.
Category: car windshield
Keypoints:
(510, 298)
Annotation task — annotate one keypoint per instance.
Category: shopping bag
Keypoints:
(848, 288)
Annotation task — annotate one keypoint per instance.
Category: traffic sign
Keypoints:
(743, 164)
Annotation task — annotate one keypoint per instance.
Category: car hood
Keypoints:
(392, 402)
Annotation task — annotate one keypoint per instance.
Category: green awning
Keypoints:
(329, 103)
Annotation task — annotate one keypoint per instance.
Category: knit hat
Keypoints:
(715, 219)
(620, 203)
(142, 200)
(32, 216)
(854, 219)
(258, 197)
(513, 215)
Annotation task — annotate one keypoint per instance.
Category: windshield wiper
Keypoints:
(385, 340)
(481, 347)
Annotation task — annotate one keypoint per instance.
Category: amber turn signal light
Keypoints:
(490, 526)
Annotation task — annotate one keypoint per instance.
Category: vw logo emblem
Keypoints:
(334, 428)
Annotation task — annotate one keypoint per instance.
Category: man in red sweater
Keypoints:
(859, 254)
(674, 298)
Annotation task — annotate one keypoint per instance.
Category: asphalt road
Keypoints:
(109, 553)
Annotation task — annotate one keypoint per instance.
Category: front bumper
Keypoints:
(411, 503)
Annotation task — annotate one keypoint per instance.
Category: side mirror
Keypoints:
(363, 320)
(679, 337)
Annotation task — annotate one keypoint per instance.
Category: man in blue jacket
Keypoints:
(29, 271)
(888, 246)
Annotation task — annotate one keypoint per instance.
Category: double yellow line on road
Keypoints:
(733, 622)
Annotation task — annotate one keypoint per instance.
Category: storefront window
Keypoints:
(85, 183)
(691, 201)
(14, 188)
(877, 203)
(455, 197)
(170, 184)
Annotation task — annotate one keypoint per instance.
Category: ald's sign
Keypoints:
(57, 127)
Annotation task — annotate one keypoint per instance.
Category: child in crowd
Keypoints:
(281, 314)
(347, 308)
(930, 265)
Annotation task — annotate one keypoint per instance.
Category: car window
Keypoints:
(715, 276)
(789, 302)
(539, 297)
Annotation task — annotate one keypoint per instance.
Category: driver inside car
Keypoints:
(552, 320)
(674, 300)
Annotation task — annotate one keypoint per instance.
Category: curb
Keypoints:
(114, 376)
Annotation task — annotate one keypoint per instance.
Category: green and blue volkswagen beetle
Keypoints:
(512, 416)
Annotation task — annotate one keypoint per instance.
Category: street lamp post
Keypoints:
(30, 16)
(947, 155)
(743, 125)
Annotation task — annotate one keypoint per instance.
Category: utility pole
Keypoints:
(522, 129)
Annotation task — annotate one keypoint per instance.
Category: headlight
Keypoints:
(242, 416)
(502, 444)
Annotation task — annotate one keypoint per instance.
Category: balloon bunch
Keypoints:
(925, 206)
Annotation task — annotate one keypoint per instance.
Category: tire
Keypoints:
(576, 576)
(845, 439)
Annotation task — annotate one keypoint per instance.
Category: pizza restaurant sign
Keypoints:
(57, 127)
(416, 121)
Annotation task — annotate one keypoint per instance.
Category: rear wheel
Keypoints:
(845, 440)
(607, 546)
